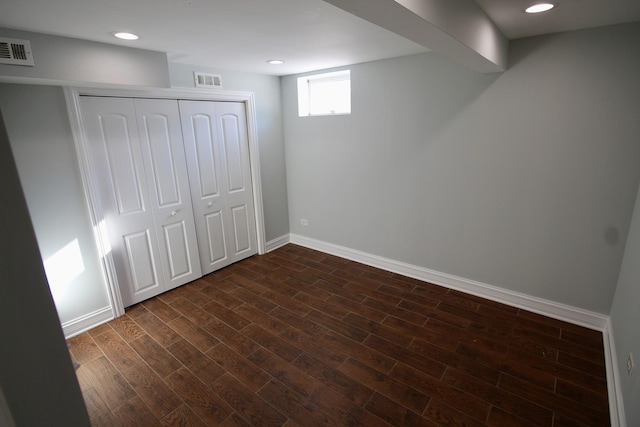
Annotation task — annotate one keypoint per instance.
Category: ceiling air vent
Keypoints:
(15, 52)
(212, 81)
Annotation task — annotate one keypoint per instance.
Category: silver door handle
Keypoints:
(173, 213)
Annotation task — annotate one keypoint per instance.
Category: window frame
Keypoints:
(305, 84)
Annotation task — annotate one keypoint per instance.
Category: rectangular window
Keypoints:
(324, 94)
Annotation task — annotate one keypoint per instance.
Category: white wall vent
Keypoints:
(15, 52)
(212, 81)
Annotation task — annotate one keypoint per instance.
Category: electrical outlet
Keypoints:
(303, 221)
(629, 364)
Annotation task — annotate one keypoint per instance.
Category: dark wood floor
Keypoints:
(297, 337)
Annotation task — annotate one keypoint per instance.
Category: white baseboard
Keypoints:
(542, 306)
(616, 405)
(277, 242)
(84, 323)
(545, 307)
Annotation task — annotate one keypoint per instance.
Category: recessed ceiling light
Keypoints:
(275, 62)
(126, 36)
(540, 7)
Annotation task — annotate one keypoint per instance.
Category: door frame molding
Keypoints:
(72, 96)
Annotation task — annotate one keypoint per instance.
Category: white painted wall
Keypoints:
(625, 318)
(524, 180)
(41, 139)
(42, 144)
(37, 380)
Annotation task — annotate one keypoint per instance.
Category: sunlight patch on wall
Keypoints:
(63, 267)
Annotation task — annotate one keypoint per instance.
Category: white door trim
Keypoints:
(72, 95)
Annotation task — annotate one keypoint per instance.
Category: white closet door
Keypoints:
(217, 151)
(232, 136)
(169, 195)
(116, 161)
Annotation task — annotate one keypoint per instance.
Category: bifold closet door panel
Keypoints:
(217, 152)
(166, 169)
(233, 138)
(203, 165)
(118, 171)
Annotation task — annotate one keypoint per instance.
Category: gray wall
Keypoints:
(524, 180)
(42, 142)
(72, 60)
(36, 375)
(41, 139)
(42, 145)
(625, 318)
(269, 117)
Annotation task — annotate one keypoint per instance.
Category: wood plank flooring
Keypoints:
(300, 338)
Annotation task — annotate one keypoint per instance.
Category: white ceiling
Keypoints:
(243, 34)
